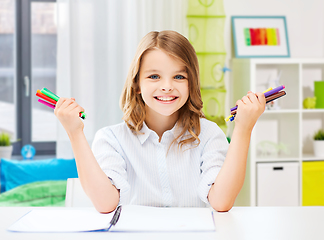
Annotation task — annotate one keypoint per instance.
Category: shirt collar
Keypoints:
(145, 132)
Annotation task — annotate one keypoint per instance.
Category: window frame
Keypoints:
(22, 69)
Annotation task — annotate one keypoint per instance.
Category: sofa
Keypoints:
(35, 182)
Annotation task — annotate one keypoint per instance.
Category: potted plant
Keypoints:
(319, 143)
(5, 146)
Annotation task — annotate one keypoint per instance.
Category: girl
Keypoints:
(165, 153)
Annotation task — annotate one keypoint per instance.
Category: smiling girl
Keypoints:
(165, 153)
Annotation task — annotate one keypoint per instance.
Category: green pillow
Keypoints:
(36, 194)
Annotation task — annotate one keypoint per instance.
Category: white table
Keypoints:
(241, 223)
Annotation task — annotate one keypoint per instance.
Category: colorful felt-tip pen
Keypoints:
(46, 103)
(231, 117)
(52, 99)
(49, 94)
(44, 97)
(267, 93)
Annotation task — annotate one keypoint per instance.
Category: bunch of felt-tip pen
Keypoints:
(270, 95)
(51, 100)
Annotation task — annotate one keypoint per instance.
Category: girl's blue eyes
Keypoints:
(154, 76)
(178, 77)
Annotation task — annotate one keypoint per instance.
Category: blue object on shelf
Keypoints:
(226, 69)
(28, 152)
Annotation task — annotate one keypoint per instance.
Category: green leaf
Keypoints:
(4, 139)
(319, 135)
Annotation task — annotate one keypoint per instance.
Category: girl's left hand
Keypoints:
(249, 109)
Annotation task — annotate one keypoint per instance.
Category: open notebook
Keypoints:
(132, 219)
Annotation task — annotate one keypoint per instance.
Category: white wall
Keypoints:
(305, 22)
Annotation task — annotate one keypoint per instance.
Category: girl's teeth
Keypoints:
(166, 99)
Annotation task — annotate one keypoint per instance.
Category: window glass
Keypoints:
(7, 68)
(43, 68)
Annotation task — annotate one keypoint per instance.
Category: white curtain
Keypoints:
(97, 40)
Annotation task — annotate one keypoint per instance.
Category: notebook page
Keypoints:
(62, 220)
(132, 219)
(149, 219)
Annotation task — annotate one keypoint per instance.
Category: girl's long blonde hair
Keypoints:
(131, 101)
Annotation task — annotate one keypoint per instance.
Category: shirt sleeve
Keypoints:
(212, 159)
(108, 154)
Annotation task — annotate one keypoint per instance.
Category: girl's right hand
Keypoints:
(67, 111)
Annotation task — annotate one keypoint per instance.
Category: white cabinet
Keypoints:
(278, 184)
(284, 132)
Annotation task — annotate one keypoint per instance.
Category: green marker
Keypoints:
(83, 115)
(49, 94)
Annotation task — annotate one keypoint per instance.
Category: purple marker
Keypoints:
(273, 91)
(46, 103)
(266, 94)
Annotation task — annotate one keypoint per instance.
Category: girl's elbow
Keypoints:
(105, 208)
(222, 207)
(106, 205)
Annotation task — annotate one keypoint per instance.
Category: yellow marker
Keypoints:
(228, 118)
(270, 88)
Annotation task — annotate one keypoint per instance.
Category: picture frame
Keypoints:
(260, 36)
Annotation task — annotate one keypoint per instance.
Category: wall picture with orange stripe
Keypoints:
(260, 36)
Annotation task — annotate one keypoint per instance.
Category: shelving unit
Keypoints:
(283, 135)
(206, 21)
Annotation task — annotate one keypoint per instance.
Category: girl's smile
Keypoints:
(166, 99)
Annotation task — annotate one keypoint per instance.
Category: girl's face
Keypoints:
(163, 82)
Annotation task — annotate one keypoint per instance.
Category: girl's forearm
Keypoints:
(230, 179)
(94, 181)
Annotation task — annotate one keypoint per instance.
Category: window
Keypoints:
(43, 68)
(7, 68)
(27, 63)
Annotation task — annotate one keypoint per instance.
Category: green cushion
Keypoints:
(36, 194)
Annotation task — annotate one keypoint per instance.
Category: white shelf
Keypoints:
(283, 60)
(273, 159)
(312, 111)
(311, 157)
(281, 111)
(283, 135)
